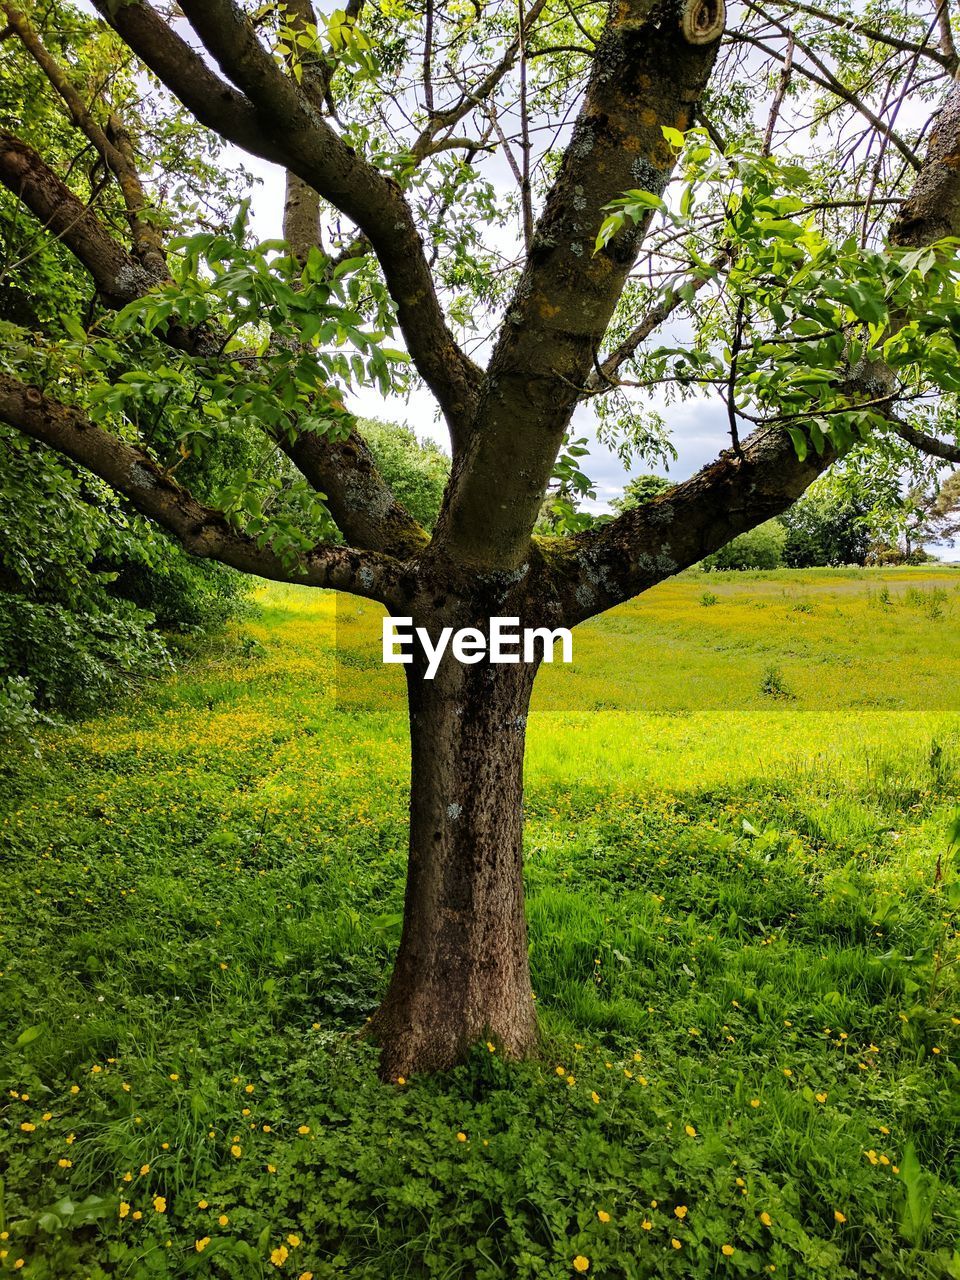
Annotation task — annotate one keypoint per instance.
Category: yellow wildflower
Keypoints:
(279, 1255)
(200, 1245)
(603, 1215)
(580, 1263)
(124, 1208)
(727, 1250)
(160, 1204)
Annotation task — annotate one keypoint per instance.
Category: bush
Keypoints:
(416, 470)
(761, 548)
(74, 660)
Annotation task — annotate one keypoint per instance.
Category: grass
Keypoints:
(742, 906)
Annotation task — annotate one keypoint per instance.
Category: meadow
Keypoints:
(742, 897)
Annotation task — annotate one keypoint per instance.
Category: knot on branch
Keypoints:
(702, 20)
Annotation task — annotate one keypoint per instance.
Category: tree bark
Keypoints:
(462, 972)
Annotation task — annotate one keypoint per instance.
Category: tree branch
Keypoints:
(928, 444)
(649, 70)
(202, 531)
(827, 80)
(359, 499)
(603, 376)
(448, 117)
(660, 538)
(113, 144)
(657, 539)
(874, 34)
(290, 131)
(118, 276)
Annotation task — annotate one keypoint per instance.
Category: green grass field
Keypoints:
(743, 927)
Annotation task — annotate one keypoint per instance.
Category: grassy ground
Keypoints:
(743, 952)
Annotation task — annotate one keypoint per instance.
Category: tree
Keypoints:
(813, 330)
(759, 548)
(640, 489)
(943, 524)
(930, 512)
(829, 525)
(416, 471)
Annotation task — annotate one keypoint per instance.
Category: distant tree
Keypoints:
(932, 513)
(760, 548)
(640, 489)
(416, 470)
(829, 525)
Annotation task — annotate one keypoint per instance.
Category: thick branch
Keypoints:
(649, 71)
(288, 130)
(344, 471)
(113, 144)
(734, 494)
(202, 530)
(660, 538)
(926, 443)
(117, 275)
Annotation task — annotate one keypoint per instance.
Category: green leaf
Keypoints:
(30, 1034)
(799, 442)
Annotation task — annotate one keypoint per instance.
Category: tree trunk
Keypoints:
(462, 972)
